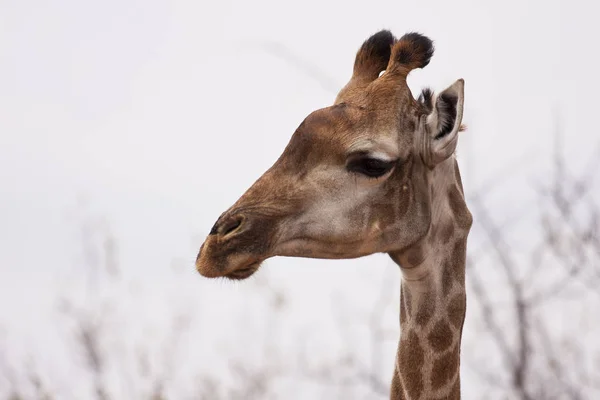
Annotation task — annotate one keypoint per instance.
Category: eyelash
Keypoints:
(370, 167)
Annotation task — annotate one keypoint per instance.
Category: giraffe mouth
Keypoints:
(243, 273)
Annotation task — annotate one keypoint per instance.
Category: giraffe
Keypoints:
(375, 172)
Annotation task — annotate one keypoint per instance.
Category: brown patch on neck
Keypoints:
(457, 309)
(411, 359)
(425, 311)
(445, 368)
(440, 337)
(454, 393)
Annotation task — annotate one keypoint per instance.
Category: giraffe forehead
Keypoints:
(341, 130)
(333, 122)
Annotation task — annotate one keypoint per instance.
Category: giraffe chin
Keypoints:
(244, 272)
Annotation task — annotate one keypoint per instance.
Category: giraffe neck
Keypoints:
(433, 298)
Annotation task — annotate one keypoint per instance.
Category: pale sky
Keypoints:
(154, 116)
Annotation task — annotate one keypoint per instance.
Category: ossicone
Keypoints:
(374, 55)
(411, 51)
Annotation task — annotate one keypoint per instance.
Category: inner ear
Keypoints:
(446, 105)
(426, 99)
(444, 121)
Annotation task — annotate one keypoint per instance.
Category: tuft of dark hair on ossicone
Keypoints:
(446, 106)
(413, 50)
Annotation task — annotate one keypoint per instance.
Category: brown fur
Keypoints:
(411, 51)
(313, 203)
(425, 312)
(446, 233)
(456, 309)
(462, 216)
(411, 358)
(445, 368)
(373, 56)
(440, 337)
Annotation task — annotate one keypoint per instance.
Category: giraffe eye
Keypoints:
(371, 167)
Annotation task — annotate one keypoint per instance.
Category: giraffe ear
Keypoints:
(444, 121)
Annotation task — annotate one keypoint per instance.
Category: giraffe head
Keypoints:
(354, 178)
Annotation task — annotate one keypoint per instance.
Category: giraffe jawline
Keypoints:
(244, 273)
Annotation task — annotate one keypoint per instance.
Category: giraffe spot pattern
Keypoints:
(454, 393)
(425, 312)
(456, 310)
(411, 358)
(444, 368)
(440, 337)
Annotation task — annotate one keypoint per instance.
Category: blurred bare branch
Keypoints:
(535, 359)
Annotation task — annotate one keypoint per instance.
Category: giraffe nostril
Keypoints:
(229, 225)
